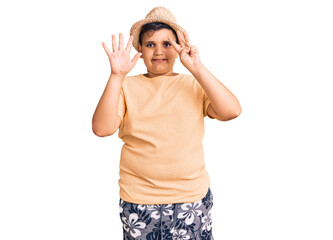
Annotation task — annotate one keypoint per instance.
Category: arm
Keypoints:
(106, 121)
(224, 105)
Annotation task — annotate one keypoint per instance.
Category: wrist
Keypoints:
(197, 70)
(119, 77)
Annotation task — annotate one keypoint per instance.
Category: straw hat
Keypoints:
(157, 14)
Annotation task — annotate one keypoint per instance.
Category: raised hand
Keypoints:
(188, 54)
(120, 61)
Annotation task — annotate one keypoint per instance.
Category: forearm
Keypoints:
(105, 116)
(223, 101)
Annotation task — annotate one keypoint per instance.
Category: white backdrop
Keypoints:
(270, 168)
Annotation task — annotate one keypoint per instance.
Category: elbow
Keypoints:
(238, 112)
(232, 115)
(102, 134)
(99, 132)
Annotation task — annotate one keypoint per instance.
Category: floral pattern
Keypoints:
(179, 221)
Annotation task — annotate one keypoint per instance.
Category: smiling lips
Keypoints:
(159, 60)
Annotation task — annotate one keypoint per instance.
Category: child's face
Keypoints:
(155, 47)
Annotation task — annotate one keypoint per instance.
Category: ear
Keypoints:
(140, 50)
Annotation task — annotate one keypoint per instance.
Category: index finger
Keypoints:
(175, 45)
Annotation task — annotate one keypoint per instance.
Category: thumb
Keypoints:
(193, 50)
(136, 58)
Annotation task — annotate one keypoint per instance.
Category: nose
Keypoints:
(158, 50)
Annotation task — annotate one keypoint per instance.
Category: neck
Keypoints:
(151, 75)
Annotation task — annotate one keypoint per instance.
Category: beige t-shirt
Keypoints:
(162, 159)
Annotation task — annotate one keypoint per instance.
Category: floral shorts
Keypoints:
(178, 221)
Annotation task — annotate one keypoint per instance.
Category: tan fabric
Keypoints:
(162, 159)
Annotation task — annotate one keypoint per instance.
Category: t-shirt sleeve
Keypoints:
(206, 102)
(121, 104)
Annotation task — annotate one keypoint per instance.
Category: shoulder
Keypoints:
(133, 77)
(128, 79)
(192, 80)
(189, 78)
(186, 75)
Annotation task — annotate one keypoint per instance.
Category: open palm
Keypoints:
(120, 61)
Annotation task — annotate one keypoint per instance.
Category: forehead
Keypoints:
(159, 35)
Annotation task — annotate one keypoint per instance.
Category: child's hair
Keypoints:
(155, 26)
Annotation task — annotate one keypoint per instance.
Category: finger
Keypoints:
(129, 44)
(114, 43)
(193, 50)
(175, 45)
(121, 42)
(187, 39)
(181, 39)
(136, 58)
(108, 52)
(184, 52)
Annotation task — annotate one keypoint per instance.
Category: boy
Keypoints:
(164, 187)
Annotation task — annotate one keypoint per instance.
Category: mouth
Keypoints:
(159, 60)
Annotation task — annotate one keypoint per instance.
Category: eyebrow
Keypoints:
(154, 42)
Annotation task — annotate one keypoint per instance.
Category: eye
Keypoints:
(149, 44)
(168, 44)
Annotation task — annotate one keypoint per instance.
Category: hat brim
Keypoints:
(136, 28)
